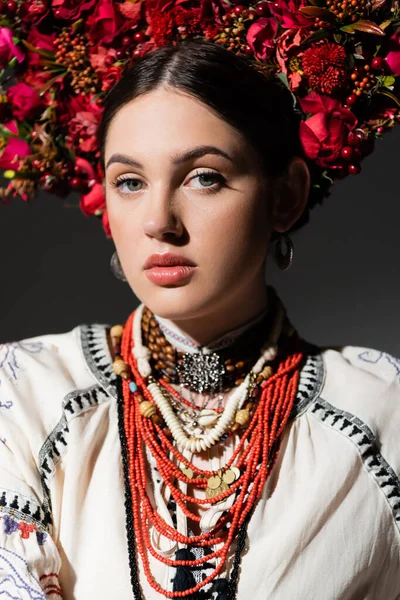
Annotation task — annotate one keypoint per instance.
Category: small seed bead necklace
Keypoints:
(246, 471)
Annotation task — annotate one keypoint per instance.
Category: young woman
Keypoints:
(203, 449)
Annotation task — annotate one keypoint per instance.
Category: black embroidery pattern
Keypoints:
(55, 446)
(97, 355)
(24, 508)
(363, 438)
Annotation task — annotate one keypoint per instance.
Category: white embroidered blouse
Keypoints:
(327, 526)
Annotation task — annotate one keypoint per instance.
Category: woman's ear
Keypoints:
(291, 195)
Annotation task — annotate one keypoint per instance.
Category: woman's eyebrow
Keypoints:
(177, 159)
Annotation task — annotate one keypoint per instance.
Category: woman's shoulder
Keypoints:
(360, 399)
(42, 376)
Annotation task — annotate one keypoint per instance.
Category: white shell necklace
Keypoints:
(142, 354)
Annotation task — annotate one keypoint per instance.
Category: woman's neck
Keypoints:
(219, 328)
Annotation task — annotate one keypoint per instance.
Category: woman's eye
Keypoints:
(208, 176)
(127, 185)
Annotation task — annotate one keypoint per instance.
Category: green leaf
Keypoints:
(50, 83)
(385, 24)
(390, 95)
(4, 132)
(283, 77)
(314, 37)
(337, 37)
(13, 62)
(388, 81)
(368, 27)
(77, 25)
(41, 51)
(15, 39)
(322, 13)
(348, 28)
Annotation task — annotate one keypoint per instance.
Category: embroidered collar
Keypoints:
(98, 358)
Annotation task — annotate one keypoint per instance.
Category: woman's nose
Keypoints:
(163, 215)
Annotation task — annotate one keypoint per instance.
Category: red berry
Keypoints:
(139, 37)
(79, 171)
(238, 9)
(57, 13)
(352, 99)
(262, 9)
(126, 41)
(120, 54)
(11, 6)
(377, 63)
(347, 152)
(354, 169)
(137, 53)
(355, 138)
(76, 183)
(248, 51)
(36, 163)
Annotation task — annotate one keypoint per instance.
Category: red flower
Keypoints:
(393, 58)
(25, 101)
(8, 49)
(93, 203)
(40, 41)
(110, 78)
(324, 133)
(104, 23)
(106, 223)
(99, 55)
(325, 67)
(72, 9)
(33, 11)
(26, 529)
(82, 122)
(261, 35)
(15, 149)
(289, 15)
(162, 28)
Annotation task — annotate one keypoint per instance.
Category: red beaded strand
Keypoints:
(255, 461)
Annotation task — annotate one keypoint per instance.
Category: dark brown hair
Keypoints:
(259, 107)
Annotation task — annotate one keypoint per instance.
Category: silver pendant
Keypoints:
(202, 372)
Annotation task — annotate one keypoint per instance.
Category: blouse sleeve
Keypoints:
(29, 558)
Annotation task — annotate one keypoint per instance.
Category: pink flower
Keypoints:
(25, 101)
(261, 35)
(393, 58)
(15, 149)
(325, 132)
(8, 49)
(288, 13)
(93, 202)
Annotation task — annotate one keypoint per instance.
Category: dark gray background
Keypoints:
(343, 286)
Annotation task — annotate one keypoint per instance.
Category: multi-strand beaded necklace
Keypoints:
(257, 411)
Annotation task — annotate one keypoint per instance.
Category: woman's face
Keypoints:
(211, 208)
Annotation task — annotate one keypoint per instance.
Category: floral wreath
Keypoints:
(59, 58)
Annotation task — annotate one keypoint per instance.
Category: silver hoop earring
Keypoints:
(116, 267)
(284, 260)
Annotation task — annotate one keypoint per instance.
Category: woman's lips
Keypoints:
(166, 275)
